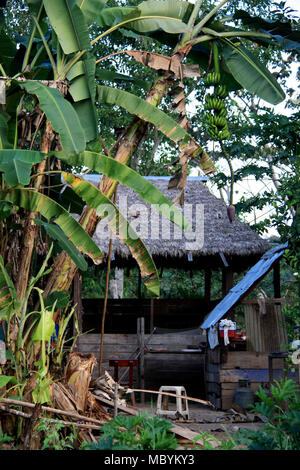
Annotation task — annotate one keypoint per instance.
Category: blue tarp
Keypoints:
(258, 271)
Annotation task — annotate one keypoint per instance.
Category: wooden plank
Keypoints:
(268, 301)
(229, 386)
(232, 386)
(249, 360)
(164, 340)
(259, 325)
(191, 435)
(214, 356)
(253, 375)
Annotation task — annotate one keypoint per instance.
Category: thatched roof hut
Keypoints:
(214, 242)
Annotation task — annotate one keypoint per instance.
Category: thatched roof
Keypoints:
(216, 238)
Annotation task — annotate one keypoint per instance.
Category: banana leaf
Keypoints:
(118, 171)
(110, 75)
(45, 327)
(65, 244)
(251, 73)
(16, 165)
(3, 132)
(143, 110)
(167, 9)
(61, 114)
(281, 31)
(169, 22)
(120, 226)
(83, 90)
(34, 201)
(161, 120)
(91, 8)
(68, 22)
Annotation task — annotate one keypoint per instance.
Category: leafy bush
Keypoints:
(135, 432)
(209, 439)
(282, 408)
(56, 435)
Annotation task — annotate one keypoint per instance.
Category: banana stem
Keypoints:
(200, 25)
(29, 47)
(216, 57)
(227, 157)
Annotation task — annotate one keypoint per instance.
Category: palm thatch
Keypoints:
(219, 242)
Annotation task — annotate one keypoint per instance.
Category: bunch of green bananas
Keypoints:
(212, 78)
(216, 108)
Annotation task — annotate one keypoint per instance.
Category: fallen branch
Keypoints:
(9, 410)
(77, 425)
(6, 409)
(11, 401)
(197, 400)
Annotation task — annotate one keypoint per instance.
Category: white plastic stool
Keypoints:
(182, 409)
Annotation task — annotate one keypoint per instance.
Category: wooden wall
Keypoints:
(265, 326)
(122, 314)
(224, 369)
(161, 368)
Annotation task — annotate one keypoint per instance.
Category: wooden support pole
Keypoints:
(141, 344)
(151, 314)
(227, 280)
(116, 397)
(207, 284)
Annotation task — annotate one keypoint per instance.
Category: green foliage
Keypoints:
(4, 438)
(282, 408)
(56, 436)
(135, 433)
(209, 442)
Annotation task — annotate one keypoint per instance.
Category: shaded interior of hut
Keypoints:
(171, 323)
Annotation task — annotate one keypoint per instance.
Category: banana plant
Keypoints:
(69, 100)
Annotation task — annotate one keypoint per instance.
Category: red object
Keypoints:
(231, 333)
(131, 363)
(116, 363)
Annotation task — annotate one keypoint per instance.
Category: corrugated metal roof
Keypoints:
(257, 272)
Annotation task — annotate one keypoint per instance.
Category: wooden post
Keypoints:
(116, 397)
(276, 280)
(227, 280)
(207, 284)
(151, 314)
(141, 343)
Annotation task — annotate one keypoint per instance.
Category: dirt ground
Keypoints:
(220, 424)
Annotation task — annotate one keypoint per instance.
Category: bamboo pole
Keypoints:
(197, 400)
(106, 297)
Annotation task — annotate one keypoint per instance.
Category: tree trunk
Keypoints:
(30, 229)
